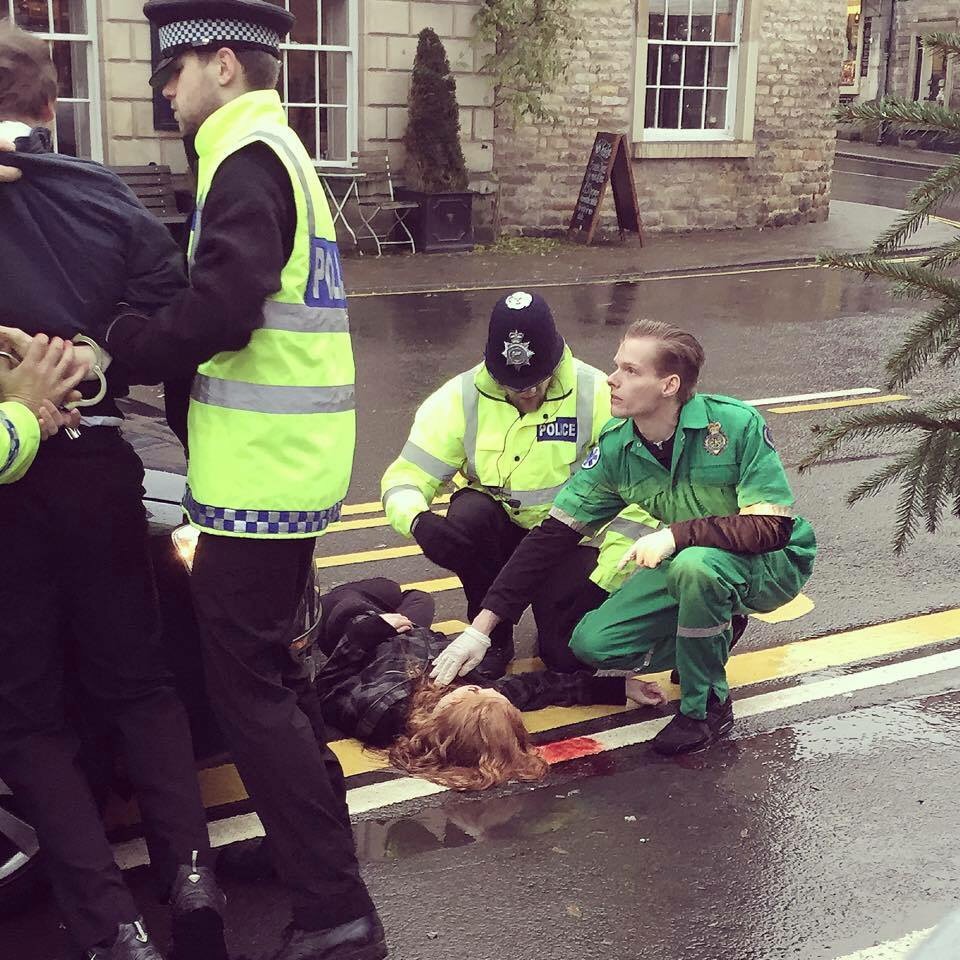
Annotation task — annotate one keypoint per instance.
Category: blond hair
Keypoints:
(678, 352)
(28, 78)
(466, 745)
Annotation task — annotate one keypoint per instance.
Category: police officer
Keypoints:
(30, 390)
(80, 624)
(705, 466)
(513, 427)
(263, 332)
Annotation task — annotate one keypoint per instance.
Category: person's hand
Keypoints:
(460, 656)
(51, 419)
(644, 693)
(47, 372)
(8, 174)
(398, 621)
(650, 550)
(14, 340)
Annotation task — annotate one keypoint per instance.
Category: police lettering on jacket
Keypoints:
(563, 428)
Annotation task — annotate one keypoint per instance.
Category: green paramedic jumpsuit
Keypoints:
(679, 614)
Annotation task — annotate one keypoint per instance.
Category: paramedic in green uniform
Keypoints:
(704, 466)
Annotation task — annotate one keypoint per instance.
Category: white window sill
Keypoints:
(693, 149)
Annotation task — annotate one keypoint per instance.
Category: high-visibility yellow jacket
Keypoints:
(19, 440)
(468, 432)
(272, 426)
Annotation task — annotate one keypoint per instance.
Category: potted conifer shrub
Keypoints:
(435, 172)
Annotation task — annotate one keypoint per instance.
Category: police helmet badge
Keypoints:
(715, 441)
(519, 300)
(516, 350)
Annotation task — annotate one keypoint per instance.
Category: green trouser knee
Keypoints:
(679, 615)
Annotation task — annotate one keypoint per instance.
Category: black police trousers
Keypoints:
(478, 539)
(246, 593)
(80, 638)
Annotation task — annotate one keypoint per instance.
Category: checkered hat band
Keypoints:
(200, 33)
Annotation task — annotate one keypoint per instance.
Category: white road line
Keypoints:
(892, 949)
(800, 397)
(377, 795)
(880, 176)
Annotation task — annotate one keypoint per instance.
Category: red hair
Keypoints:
(466, 745)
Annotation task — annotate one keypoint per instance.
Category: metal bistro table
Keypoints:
(352, 176)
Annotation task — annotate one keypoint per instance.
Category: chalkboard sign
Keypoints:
(608, 163)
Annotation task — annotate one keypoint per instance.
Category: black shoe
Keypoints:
(198, 905)
(132, 943)
(683, 734)
(738, 623)
(357, 940)
(719, 715)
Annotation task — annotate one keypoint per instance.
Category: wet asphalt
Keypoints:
(815, 831)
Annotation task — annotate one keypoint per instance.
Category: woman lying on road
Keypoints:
(375, 687)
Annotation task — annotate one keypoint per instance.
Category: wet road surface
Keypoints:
(824, 826)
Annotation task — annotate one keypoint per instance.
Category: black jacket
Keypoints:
(75, 242)
(366, 684)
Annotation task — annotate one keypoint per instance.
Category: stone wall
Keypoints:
(787, 181)
(130, 139)
(389, 31)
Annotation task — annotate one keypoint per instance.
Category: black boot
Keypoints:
(738, 623)
(683, 734)
(132, 943)
(198, 905)
(357, 940)
(493, 665)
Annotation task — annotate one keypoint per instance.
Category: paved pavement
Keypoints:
(826, 824)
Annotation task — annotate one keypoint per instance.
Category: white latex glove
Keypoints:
(650, 550)
(460, 656)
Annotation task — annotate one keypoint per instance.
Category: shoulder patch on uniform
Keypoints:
(768, 437)
(592, 459)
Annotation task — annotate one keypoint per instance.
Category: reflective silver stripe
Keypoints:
(270, 398)
(101, 421)
(572, 523)
(399, 488)
(299, 318)
(471, 400)
(632, 529)
(427, 462)
(586, 387)
(295, 163)
(703, 631)
(533, 498)
(195, 233)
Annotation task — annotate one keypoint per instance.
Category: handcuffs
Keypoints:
(97, 370)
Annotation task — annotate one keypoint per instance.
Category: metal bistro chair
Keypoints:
(378, 197)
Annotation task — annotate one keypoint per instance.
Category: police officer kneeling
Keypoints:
(705, 465)
(515, 427)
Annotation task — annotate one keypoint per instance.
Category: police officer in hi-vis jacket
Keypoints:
(511, 430)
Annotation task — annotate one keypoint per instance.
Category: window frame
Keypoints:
(92, 41)
(735, 139)
(351, 107)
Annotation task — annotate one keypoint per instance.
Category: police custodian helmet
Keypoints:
(523, 344)
(203, 24)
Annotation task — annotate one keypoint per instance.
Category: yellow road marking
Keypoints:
(434, 586)
(221, 785)
(450, 626)
(366, 523)
(798, 607)
(366, 556)
(836, 404)
(375, 506)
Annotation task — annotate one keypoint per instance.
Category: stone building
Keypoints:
(726, 104)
